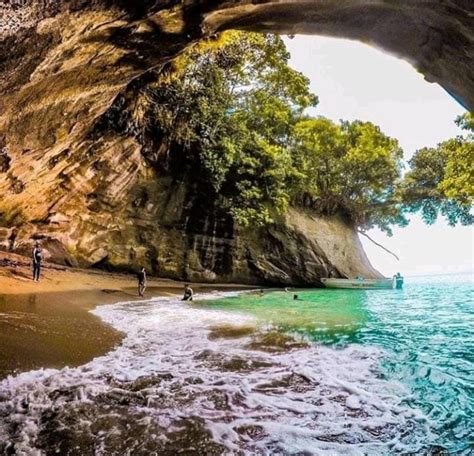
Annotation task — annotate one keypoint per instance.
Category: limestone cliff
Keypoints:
(98, 196)
(109, 202)
(120, 200)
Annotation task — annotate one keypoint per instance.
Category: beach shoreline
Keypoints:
(48, 324)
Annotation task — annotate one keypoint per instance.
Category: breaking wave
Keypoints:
(192, 380)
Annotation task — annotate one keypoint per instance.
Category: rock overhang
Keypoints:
(67, 181)
(435, 36)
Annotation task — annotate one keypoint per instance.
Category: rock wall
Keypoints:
(102, 203)
(94, 196)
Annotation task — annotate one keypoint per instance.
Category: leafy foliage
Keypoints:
(350, 169)
(441, 179)
(236, 110)
(466, 122)
(232, 105)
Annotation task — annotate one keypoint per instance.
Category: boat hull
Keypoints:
(359, 284)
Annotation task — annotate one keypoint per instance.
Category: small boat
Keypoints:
(360, 283)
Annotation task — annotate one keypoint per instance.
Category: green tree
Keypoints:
(441, 181)
(457, 183)
(350, 169)
(466, 122)
(231, 112)
(231, 104)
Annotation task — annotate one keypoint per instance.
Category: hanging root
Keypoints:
(377, 244)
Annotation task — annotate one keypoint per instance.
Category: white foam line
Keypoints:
(336, 394)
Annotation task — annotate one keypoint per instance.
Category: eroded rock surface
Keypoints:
(96, 195)
(102, 203)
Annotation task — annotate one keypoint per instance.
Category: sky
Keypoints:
(356, 81)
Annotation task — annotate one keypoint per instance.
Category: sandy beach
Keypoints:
(47, 324)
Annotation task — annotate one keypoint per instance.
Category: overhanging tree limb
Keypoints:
(377, 244)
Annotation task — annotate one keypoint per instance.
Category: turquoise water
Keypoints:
(426, 332)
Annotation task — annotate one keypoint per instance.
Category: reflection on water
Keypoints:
(32, 303)
(48, 329)
(249, 375)
(328, 316)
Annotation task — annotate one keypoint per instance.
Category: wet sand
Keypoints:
(47, 324)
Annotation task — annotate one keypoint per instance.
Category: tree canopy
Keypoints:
(350, 169)
(239, 113)
(441, 179)
(232, 105)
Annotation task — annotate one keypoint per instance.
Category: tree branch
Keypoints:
(377, 244)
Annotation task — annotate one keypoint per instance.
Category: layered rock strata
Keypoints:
(93, 194)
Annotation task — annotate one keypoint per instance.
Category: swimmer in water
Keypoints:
(188, 293)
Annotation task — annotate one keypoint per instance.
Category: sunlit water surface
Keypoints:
(334, 372)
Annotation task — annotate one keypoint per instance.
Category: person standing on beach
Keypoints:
(141, 276)
(37, 257)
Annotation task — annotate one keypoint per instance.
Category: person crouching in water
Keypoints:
(188, 293)
(37, 257)
(141, 276)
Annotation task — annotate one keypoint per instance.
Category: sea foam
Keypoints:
(169, 387)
